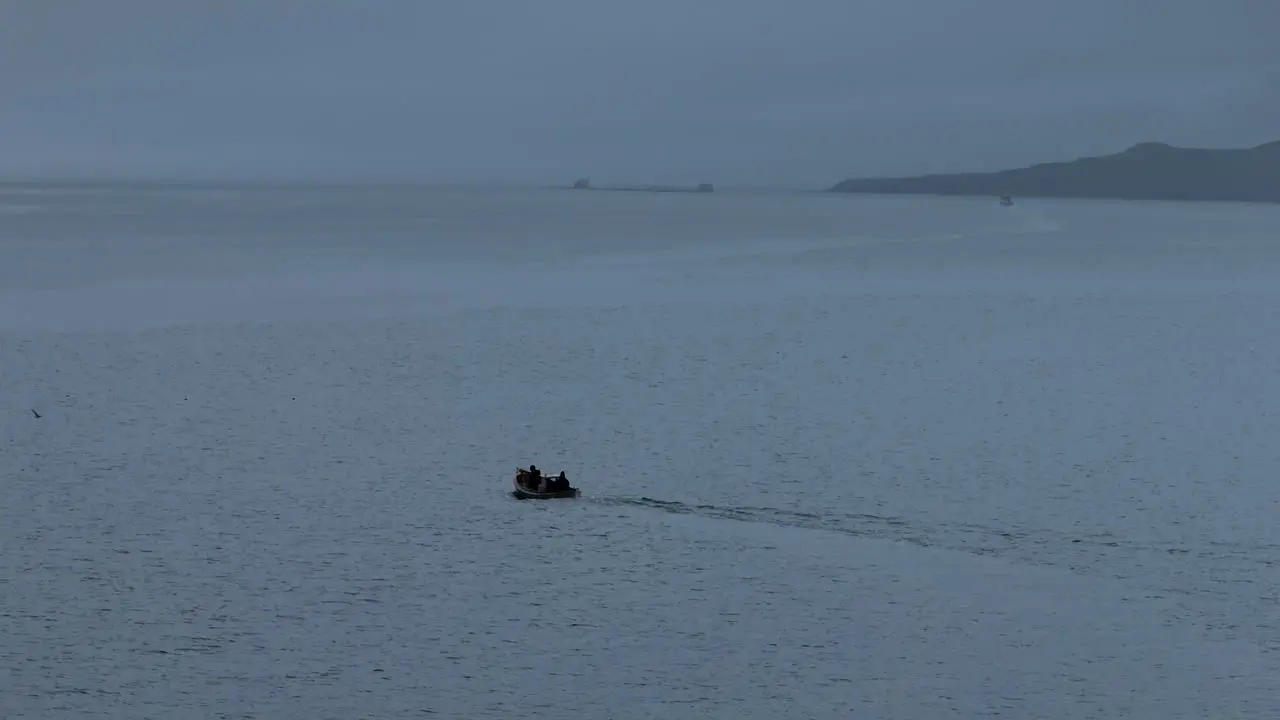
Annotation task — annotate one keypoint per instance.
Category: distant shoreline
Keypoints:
(1147, 171)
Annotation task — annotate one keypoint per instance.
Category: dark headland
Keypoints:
(1146, 171)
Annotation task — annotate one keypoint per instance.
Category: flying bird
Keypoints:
(33, 412)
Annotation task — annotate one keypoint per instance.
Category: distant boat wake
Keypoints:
(1029, 223)
(1102, 553)
(1036, 223)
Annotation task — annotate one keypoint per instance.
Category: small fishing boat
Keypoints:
(526, 490)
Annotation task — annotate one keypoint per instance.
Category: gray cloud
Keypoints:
(747, 91)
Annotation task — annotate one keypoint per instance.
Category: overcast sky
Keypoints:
(761, 92)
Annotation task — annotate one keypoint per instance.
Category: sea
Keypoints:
(840, 456)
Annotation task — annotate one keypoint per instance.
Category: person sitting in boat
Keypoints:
(559, 483)
(533, 478)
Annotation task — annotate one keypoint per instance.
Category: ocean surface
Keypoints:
(840, 456)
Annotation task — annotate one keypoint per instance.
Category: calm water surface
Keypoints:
(872, 457)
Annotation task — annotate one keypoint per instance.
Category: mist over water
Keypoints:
(895, 457)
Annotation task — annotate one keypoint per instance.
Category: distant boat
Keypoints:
(524, 490)
(585, 184)
(1005, 200)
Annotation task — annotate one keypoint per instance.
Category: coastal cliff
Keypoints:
(1146, 171)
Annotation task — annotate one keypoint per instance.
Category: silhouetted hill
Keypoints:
(1146, 171)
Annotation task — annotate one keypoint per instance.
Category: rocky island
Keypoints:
(1146, 171)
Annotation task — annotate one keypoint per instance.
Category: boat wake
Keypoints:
(1101, 554)
(853, 524)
